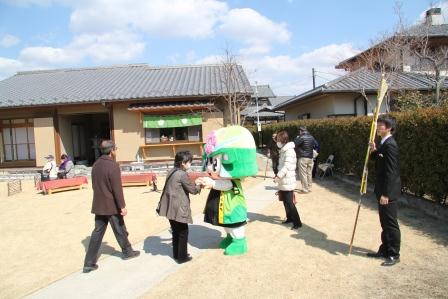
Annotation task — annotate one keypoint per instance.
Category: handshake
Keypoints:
(205, 182)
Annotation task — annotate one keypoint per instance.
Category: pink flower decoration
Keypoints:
(210, 143)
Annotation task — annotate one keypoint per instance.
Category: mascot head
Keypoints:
(230, 153)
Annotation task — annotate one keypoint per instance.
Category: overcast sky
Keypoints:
(277, 41)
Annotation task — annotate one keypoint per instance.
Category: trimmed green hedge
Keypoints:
(422, 136)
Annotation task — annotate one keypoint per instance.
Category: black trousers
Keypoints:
(180, 239)
(120, 232)
(313, 172)
(390, 235)
(275, 165)
(290, 208)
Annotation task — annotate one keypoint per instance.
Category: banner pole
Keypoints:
(363, 188)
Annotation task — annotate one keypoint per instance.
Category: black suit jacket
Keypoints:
(387, 168)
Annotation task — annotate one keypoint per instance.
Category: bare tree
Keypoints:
(235, 96)
(432, 57)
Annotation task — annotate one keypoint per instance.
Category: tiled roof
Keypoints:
(420, 30)
(425, 30)
(264, 91)
(369, 81)
(278, 100)
(117, 83)
(195, 105)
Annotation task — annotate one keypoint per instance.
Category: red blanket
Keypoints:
(137, 178)
(76, 181)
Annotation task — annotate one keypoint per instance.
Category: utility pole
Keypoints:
(258, 115)
(314, 78)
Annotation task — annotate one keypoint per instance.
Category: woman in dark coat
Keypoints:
(175, 204)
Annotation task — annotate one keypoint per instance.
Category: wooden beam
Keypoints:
(57, 137)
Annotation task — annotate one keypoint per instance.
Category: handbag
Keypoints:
(163, 192)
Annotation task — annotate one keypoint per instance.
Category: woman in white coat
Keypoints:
(286, 178)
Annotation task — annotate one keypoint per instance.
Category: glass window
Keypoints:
(181, 133)
(18, 140)
(152, 135)
(194, 133)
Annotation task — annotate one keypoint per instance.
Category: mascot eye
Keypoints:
(215, 164)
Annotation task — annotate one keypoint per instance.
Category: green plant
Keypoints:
(422, 136)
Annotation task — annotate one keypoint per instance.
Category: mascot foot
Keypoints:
(237, 247)
(225, 242)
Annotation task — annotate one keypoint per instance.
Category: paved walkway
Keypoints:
(117, 278)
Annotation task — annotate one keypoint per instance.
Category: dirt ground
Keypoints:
(45, 237)
(313, 262)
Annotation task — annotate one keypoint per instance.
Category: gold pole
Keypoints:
(363, 189)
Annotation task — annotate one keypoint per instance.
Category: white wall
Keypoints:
(319, 108)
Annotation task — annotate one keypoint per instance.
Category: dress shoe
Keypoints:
(185, 260)
(391, 260)
(286, 221)
(131, 254)
(296, 226)
(376, 254)
(188, 255)
(90, 268)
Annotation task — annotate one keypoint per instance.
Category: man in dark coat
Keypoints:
(387, 190)
(108, 206)
(273, 153)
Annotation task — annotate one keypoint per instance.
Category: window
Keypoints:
(173, 134)
(18, 139)
(172, 128)
(304, 116)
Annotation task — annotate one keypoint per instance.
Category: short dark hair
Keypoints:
(64, 156)
(388, 121)
(283, 137)
(106, 146)
(182, 157)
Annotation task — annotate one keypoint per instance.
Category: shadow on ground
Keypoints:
(199, 237)
(104, 249)
(436, 229)
(313, 237)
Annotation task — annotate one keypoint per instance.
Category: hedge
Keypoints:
(422, 136)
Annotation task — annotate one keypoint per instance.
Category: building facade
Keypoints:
(150, 112)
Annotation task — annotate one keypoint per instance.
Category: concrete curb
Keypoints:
(429, 208)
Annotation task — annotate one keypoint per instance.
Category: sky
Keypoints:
(278, 42)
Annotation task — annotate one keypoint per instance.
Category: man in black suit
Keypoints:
(387, 190)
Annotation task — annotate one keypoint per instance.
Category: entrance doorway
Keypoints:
(81, 135)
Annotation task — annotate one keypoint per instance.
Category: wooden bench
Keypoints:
(50, 187)
(140, 179)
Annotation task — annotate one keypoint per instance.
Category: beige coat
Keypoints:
(175, 201)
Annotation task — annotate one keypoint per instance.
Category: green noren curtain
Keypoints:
(171, 121)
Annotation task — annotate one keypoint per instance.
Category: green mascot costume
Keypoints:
(230, 156)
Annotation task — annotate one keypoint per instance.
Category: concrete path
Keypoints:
(117, 278)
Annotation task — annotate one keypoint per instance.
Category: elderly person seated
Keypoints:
(50, 170)
(66, 169)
